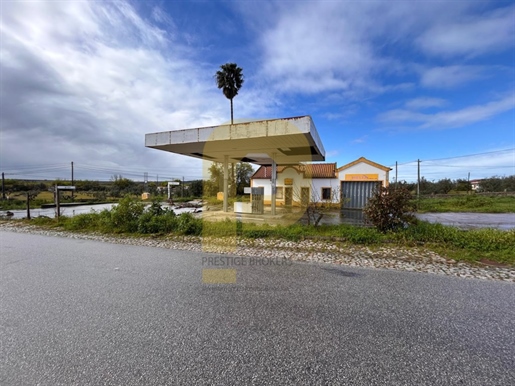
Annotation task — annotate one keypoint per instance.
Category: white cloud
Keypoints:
(451, 76)
(84, 81)
(425, 102)
(361, 139)
(471, 36)
(450, 119)
(314, 47)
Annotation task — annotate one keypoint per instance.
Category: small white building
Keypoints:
(351, 184)
(298, 184)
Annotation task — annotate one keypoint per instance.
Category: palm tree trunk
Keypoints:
(232, 120)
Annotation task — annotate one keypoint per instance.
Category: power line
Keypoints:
(459, 156)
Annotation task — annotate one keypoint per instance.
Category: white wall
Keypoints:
(315, 185)
(364, 168)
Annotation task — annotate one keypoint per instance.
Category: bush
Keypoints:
(83, 221)
(125, 215)
(189, 225)
(390, 209)
(166, 222)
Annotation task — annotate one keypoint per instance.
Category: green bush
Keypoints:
(390, 209)
(164, 223)
(125, 215)
(189, 225)
(85, 221)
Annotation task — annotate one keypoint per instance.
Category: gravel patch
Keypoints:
(330, 252)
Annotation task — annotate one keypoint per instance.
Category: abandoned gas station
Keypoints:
(288, 152)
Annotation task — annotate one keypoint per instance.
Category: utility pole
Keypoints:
(28, 205)
(57, 203)
(396, 174)
(182, 186)
(418, 179)
(3, 186)
(72, 180)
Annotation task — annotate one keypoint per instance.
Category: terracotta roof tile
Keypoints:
(327, 170)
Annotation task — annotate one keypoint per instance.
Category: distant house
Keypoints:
(474, 184)
(351, 184)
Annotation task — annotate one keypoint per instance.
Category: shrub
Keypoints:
(83, 221)
(189, 225)
(390, 209)
(125, 215)
(166, 222)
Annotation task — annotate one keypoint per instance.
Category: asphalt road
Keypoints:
(77, 312)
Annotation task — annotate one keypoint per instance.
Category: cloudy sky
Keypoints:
(393, 81)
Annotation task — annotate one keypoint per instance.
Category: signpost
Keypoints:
(58, 189)
(170, 184)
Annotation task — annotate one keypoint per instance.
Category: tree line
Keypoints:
(493, 184)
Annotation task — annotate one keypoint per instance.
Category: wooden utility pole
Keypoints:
(418, 179)
(72, 180)
(3, 186)
(396, 174)
(28, 206)
(57, 203)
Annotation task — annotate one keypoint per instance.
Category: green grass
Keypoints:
(468, 203)
(462, 245)
(130, 218)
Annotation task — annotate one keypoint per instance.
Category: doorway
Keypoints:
(288, 196)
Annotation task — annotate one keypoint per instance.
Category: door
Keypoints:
(288, 196)
(304, 197)
(355, 194)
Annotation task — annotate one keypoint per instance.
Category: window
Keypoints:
(279, 193)
(326, 193)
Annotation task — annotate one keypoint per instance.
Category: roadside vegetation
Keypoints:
(129, 217)
(475, 203)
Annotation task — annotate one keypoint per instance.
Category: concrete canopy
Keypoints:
(285, 141)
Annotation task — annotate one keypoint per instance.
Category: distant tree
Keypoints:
(215, 182)
(493, 184)
(196, 188)
(509, 184)
(463, 185)
(444, 186)
(122, 186)
(244, 171)
(426, 187)
(230, 79)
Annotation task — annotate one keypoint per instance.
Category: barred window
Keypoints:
(326, 193)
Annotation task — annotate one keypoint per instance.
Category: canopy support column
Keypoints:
(226, 182)
(273, 181)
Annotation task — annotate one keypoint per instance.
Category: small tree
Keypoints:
(317, 207)
(390, 209)
(244, 171)
(230, 79)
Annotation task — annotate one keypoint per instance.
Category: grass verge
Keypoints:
(472, 246)
(468, 203)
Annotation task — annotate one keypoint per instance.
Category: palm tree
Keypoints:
(230, 79)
